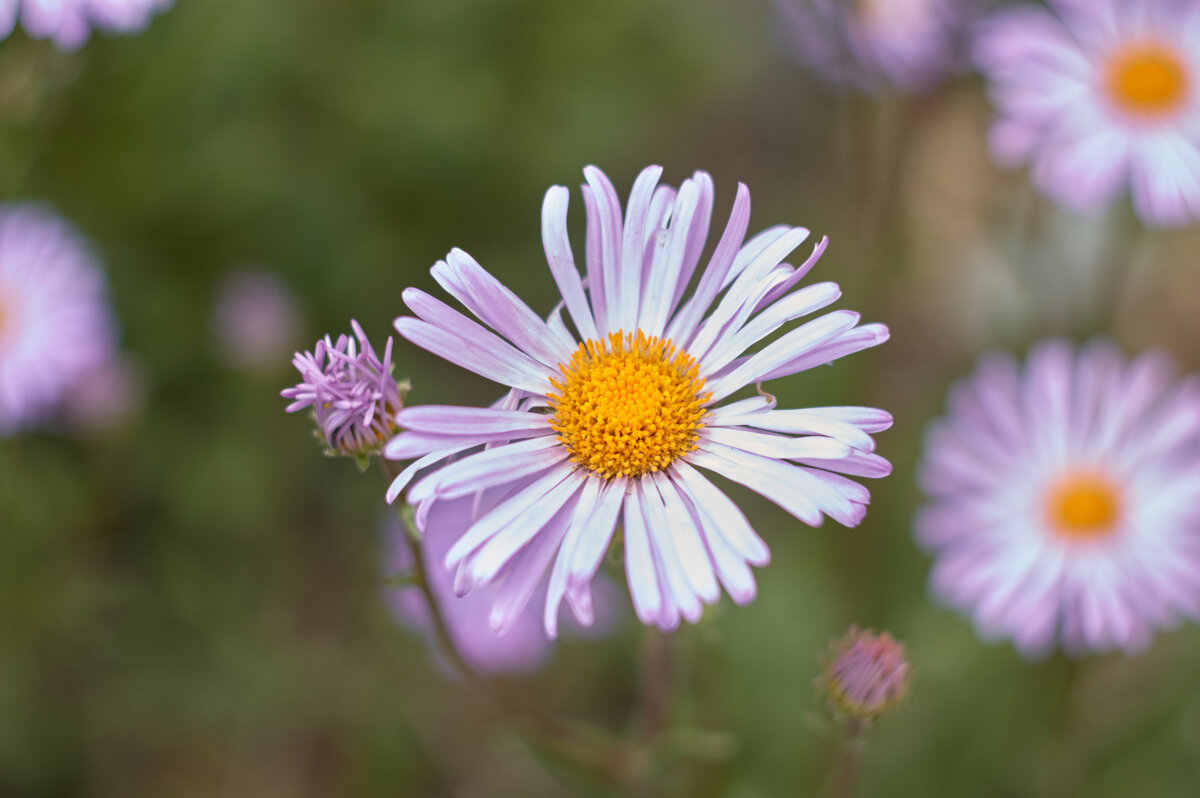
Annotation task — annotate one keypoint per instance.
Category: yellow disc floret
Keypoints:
(1083, 506)
(1148, 79)
(629, 406)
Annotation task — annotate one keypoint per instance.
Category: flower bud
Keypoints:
(352, 393)
(866, 675)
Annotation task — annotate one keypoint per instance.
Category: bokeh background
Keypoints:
(192, 601)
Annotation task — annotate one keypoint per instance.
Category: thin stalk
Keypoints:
(845, 777)
(586, 750)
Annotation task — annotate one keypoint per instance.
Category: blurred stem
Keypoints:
(657, 667)
(1141, 246)
(896, 122)
(585, 750)
(845, 776)
(1063, 778)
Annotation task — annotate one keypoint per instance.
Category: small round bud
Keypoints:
(352, 393)
(866, 674)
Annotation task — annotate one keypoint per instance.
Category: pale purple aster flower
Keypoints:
(256, 318)
(55, 322)
(907, 44)
(352, 393)
(70, 22)
(615, 420)
(1100, 96)
(523, 647)
(1064, 499)
(866, 674)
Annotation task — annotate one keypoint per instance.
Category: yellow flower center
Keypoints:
(1148, 79)
(1083, 506)
(5, 318)
(627, 407)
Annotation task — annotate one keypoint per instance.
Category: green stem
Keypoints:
(1141, 247)
(845, 777)
(586, 750)
(657, 677)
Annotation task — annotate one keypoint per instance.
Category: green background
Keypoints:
(192, 604)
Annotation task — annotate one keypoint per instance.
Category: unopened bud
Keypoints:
(866, 674)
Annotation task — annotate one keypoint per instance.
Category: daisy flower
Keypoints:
(908, 44)
(1064, 499)
(1100, 96)
(615, 420)
(70, 22)
(523, 649)
(55, 323)
(352, 393)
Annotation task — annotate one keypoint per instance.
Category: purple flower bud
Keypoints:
(866, 675)
(352, 392)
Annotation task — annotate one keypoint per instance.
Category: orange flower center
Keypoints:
(1083, 506)
(629, 406)
(1148, 79)
(5, 315)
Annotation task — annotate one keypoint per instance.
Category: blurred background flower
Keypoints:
(106, 396)
(520, 649)
(256, 319)
(55, 323)
(69, 23)
(1099, 98)
(1066, 499)
(910, 45)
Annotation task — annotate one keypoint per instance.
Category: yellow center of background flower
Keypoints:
(1084, 507)
(4, 316)
(1148, 80)
(627, 407)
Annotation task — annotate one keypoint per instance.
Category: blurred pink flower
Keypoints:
(908, 44)
(70, 22)
(469, 619)
(106, 396)
(55, 323)
(1065, 499)
(256, 318)
(1099, 96)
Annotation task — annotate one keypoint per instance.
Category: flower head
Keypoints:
(1100, 96)
(55, 323)
(255, 318)
(866, 674)
(1064, 499)
(352, 392)
(614, 420)
(70, 22)
(908, 44)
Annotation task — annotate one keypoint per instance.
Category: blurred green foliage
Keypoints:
(192, 604)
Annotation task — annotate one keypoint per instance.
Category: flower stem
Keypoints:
(845, 777)
(586, 750)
